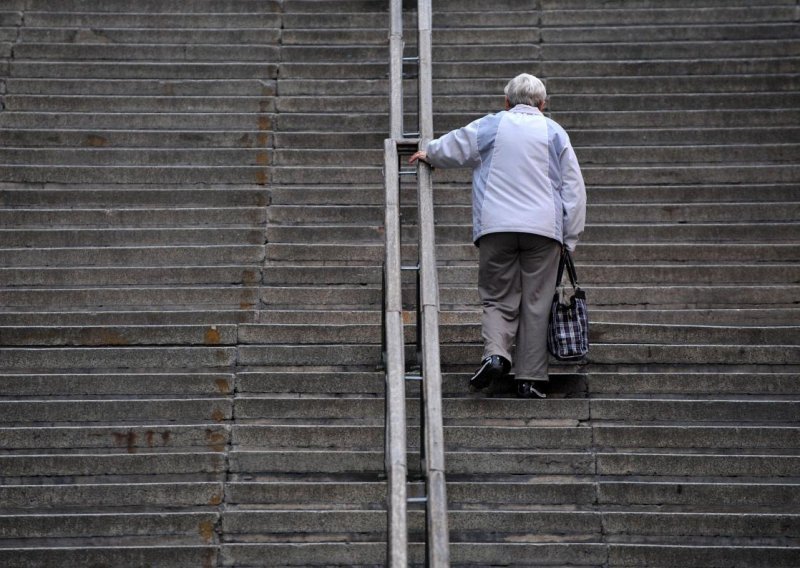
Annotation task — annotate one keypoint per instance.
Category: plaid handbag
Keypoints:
(568, 327)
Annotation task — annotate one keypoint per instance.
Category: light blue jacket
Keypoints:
(525, 179)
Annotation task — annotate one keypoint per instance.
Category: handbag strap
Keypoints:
(566, 261)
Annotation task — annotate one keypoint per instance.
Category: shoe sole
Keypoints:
(483, 376)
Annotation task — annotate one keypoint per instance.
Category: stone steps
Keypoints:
(177, 392)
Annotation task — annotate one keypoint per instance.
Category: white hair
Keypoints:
(525, 89)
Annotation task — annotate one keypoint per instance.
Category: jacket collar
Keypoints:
(525, 109)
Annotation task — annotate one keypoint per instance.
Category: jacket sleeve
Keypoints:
(573, 198)
(458, 148)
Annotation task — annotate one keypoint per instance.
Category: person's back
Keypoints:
(528, 202)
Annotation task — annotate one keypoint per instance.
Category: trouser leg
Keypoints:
(539, 258)
(499, 289)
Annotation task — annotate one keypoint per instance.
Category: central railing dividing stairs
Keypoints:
(401, 144)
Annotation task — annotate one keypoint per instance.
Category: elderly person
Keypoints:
(528, 201)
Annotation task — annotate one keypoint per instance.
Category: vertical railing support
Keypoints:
(427, 322)
(395, 451)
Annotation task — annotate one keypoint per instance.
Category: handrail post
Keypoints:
(396, 70)
(431, 421)
(438, 549)
(396, 463)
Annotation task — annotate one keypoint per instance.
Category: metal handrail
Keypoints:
(394, 363)
(431, 422)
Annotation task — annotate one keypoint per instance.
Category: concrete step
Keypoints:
(120, 384)
(373, 554)
(676, 382)
(241, 202)
(371, 409)
(63, 237)
(122, 335)
(142, 70)
(194, 38)
(460, 195)
(89, 211)
(571, 119)
(167, 51)
(630, 156)
(137, 103)
(608, 297)
(659, 253)
(371, 462)
(469, 525)
(141, 315)
(364, 437)
(126, 276)
(361, 333)
(133, 256)
(152, 20)
(314, 315)
(469, 69)
(648, 84)
(441, 36)
(736, 436)
(697, 465)
(54, 465)
(643, 233)
(697, 556)
(142, 158)
(471, 103)
(195, 526)
(519, 18)
(77, 138)
(693, 383)
(776, 495)
(125, 299)
(648, 213)
(719, 31)
(169, 6)
(558, 84)
(745, 438)
(667, 16)
(117, 358)
(133, 438)
(156, 175)
(192, 86)
(636, 49)
(736, 411)
(73, 557)
(143, 409)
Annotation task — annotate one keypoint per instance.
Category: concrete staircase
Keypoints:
(190, 291)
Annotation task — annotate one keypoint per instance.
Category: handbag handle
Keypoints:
(566, 261)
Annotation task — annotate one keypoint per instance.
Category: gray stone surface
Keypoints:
(178, 167)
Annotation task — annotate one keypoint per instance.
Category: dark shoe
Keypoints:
(525, 389)
(493, 367)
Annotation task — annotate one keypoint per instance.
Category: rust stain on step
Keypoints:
(96, 141)
(212, 336)
(216, 440)
(217, 415)
(126, 439)
(206, 530)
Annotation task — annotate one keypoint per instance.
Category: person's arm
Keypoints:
(456, 149)
(573, 198)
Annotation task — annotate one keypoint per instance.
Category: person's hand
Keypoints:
(421, 155)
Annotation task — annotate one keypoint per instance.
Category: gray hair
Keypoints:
(525, 89)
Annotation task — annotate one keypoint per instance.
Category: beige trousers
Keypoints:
(516, 281)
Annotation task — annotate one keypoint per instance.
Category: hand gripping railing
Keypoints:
(427, 320)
